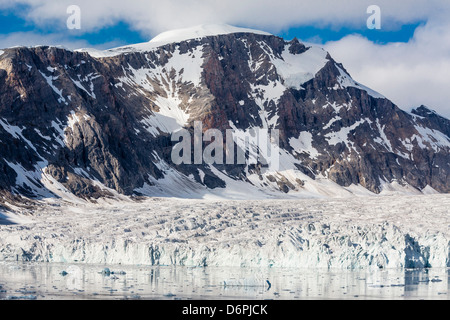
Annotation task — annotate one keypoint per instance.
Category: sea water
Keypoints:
(42, 281)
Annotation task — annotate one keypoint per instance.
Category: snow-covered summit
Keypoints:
(200, 31)
(175, 36)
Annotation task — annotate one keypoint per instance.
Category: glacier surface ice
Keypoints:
(350, 233)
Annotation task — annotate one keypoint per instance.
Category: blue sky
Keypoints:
(406, 60)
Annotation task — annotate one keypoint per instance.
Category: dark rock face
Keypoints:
(73, 123)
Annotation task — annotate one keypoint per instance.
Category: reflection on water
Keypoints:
(59, 281)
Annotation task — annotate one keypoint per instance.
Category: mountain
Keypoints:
(92, 124)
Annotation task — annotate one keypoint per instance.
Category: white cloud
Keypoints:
(153, 16)
(410, 74)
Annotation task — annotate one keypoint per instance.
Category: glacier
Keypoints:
(336, 233)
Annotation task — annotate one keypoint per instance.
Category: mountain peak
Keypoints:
(200, 31)
(423, 110)
(72, 125)
(174, 36)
